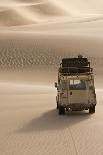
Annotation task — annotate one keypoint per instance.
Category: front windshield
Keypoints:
(77, 85)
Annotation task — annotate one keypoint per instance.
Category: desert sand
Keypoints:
(34, 36)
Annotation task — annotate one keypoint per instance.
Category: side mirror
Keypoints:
(56, 85)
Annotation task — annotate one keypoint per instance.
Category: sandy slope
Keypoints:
(10, 17)
(16, 13)
(31, 51)
(47, 11)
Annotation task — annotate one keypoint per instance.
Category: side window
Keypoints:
(77, 85)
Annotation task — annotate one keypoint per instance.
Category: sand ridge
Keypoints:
(17, 13)
(34, 12)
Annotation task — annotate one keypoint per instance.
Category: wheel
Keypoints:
(61, 110)
(92, 109)
(57, 106)
(57, 103)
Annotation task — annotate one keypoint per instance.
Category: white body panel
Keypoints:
(78, 96)
(76, 91)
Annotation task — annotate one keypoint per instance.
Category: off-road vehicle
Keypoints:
(75, 86)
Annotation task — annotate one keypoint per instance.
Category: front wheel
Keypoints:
(61, 110)
(92, 109)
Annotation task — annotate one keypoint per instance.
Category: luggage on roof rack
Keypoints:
(75, 65)
(75, 62)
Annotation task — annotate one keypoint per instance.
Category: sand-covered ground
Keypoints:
(30, 124)
(34, 36)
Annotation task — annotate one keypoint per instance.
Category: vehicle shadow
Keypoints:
(52, 121)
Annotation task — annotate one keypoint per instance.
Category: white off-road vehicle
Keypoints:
(75, 87)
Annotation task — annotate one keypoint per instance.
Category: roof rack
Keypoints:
(77, 66)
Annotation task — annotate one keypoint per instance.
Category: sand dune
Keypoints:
(10, 18)
(26, 1)
(81, 7)
(34, 36)
(22, 14)
(47, 9)
(9, 3)
(30, 51)
(26, 13)
(65, 27)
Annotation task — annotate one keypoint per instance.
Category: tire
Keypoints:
(61, 110)
(92, 109)
(57, 106)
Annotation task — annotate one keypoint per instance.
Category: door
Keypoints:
(63, 92)
(77, 92)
